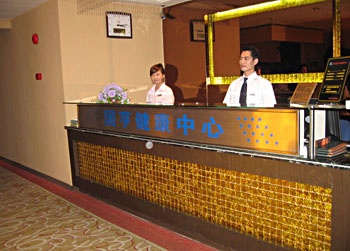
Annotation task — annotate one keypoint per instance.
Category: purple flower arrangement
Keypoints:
(113, 94)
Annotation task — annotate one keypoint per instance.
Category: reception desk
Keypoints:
(233, 178)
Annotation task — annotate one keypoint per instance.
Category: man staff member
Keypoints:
(250, 90)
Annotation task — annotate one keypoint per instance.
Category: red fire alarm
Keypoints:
(39, 76)
(35, 38)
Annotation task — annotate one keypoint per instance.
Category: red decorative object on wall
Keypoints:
(35, 38)
(39, 76)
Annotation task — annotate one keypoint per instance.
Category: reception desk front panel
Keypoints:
(289, 213)
(232, 200)
(266, 130)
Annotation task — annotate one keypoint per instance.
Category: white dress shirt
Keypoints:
(163, 96)
(259, 92)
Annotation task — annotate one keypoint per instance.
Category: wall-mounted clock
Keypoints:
(119, 24)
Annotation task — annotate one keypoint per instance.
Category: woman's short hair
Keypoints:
(155, 68)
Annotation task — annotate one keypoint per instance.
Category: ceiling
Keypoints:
(317, 16)
(12, 8)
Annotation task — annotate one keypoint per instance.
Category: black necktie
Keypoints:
(243, 96)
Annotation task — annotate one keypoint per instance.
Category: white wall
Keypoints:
(76, 60)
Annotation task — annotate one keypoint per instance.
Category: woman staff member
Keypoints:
(160, 93)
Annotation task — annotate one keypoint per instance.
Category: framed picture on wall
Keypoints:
(197, 30)
(119, 24)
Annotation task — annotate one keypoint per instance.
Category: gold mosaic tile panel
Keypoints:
(288, 213)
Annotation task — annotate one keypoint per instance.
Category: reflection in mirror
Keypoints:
(289, 38)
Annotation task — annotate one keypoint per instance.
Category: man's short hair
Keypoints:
(253, 51)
